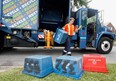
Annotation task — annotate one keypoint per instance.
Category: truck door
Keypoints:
(82, 21)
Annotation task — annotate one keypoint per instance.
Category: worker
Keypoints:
(70, 29)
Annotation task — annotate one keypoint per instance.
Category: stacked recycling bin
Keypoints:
(94, 63)
(38, 66)
(69, 66)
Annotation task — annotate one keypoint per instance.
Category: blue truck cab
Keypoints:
(93, 33)
(22, 24)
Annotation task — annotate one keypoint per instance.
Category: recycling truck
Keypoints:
(22, 24)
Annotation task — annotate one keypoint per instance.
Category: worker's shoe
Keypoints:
(69, 54)
(64, 52)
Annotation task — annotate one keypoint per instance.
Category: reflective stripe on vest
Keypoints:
(69, 29)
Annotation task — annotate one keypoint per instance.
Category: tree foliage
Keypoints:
(79, 3)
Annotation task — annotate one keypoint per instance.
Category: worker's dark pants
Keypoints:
(68, 45)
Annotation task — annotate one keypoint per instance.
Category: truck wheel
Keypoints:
(105, 45)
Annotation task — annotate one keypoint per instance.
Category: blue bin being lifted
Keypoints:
(69, 66)
(38, 65)
(60, 36)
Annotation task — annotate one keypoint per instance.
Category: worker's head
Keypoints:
(71, 20)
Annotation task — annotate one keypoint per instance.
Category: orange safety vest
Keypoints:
(70, 29)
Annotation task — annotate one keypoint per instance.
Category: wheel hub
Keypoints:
(105, 45)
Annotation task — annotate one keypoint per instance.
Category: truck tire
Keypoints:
(105, 45)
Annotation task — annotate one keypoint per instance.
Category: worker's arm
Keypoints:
(80, 27)
(63, 27)
(76, 28)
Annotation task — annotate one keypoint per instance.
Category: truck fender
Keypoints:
(104, 34)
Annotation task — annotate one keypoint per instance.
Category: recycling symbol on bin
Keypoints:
(58, 36)
(94, 62)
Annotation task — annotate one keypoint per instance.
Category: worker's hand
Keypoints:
(80, 27)
(63, 28)
(76, 31)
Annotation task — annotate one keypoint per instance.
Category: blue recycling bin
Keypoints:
(38, 65)
(69, 66)
(60, 36)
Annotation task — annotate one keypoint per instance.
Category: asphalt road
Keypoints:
(15, 57)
